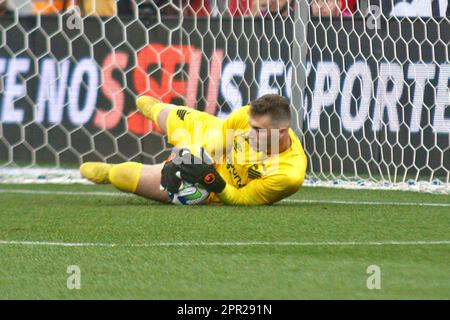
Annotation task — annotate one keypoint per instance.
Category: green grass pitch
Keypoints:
(317, 246)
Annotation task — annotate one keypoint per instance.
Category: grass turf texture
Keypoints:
(222, 272)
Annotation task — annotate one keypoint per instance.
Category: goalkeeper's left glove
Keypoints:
(169, 180)
(170, 173)
(201, 171)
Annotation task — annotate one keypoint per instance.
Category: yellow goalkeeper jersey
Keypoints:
(253, 178)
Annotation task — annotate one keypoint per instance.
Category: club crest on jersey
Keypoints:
(239, 140)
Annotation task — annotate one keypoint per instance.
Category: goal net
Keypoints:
(368, 82)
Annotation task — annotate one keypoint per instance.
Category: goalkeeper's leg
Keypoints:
(154, 110)
(183, 125)
(144, 180)
(133, 177)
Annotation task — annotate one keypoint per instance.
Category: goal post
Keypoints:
(370, 95)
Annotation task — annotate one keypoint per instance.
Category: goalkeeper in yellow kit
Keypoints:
(250, 158)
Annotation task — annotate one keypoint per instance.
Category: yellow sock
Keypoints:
(150, 107)
(125, 176)
(97, 172)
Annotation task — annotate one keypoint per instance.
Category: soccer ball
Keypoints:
(189, 194)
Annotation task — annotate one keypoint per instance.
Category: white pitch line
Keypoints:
(310, 201)
(67, 193)
(370, 203)
(227, 244)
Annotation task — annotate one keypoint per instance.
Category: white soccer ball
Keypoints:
(189, 194)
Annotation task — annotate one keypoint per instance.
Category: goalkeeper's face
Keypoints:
(265, 135)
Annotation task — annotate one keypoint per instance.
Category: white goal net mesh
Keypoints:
(368, 81)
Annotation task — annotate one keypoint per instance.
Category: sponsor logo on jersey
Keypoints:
(236, 177)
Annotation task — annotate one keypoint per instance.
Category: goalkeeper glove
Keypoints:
(170, 173)
(201, 171)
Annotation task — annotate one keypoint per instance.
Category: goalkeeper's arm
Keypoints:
(257, 192)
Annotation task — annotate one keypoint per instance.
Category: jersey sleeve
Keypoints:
(266, 190)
